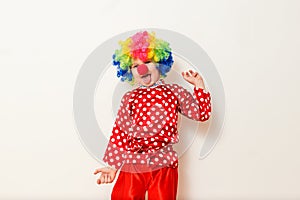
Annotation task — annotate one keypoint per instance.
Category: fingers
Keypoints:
(194, 74)
(107, 175)
(106, 178)
(103, 169)
(103, 179)
(98, 181)
(186, 74)
(98, 170)
(191, 74)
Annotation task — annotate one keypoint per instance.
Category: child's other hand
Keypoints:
(108, 175)
(193, 78)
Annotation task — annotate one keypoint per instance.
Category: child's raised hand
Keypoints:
(193, 78)
(108, 175)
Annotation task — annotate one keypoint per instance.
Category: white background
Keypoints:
(254, 45)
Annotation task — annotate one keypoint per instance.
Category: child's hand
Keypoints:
(193, 78)
(107, 175)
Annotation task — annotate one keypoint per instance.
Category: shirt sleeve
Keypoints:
(196, 106)
(117, 143)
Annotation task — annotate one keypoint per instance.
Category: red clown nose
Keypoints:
(142, 69)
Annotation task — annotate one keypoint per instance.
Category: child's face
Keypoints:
(145, 73)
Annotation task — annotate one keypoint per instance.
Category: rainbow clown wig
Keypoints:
(146, 47)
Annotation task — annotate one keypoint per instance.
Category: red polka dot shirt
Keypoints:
(146, 124)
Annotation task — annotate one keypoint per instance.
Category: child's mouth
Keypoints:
(146, 79)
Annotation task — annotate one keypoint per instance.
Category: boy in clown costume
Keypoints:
(145, 128)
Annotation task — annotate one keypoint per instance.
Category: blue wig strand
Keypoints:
(165, 65)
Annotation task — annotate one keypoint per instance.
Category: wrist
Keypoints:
(199, 85)
(110, 167)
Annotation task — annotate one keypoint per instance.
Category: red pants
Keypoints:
(160, 183)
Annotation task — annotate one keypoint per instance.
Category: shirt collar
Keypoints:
(159, 82)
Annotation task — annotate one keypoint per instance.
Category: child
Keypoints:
(146, 124)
